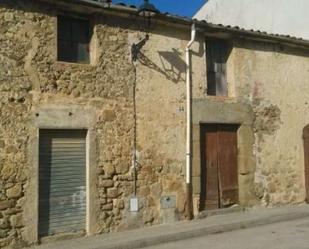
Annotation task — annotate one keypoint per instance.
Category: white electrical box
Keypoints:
(134, 204)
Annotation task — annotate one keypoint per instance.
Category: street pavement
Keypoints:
(283, 235)
(247, 229)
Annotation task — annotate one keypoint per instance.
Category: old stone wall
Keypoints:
(30, 78)
(33, 84)
(268, 82)
(267, 96)
(274, 79)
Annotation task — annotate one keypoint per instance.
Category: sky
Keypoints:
(179, 7)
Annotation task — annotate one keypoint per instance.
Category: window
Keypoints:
(217, 52)
(73, 39)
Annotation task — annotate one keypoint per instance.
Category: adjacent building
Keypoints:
(92, 141)
(285, 17)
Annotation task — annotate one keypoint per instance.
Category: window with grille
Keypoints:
(73, 39)
(217, 52)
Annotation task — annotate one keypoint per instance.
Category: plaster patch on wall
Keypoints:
(267, 119)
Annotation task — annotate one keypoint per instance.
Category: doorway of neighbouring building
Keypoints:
(219, 173)
(306, 155)
(62, 181)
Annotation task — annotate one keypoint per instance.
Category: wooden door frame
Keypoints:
(226, 112)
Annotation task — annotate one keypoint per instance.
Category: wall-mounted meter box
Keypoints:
(134, 204)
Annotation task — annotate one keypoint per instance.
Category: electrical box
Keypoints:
(134, 204)
(168, 202)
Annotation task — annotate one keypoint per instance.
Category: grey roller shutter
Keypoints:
(62, 181)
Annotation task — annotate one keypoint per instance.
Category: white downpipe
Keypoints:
(189, 103)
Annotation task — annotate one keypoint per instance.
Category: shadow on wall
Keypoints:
(172, 65)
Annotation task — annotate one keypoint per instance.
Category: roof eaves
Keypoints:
(168, 17)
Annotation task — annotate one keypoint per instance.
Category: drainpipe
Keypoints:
(189, 204)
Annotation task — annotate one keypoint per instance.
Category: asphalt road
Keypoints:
(285, 235)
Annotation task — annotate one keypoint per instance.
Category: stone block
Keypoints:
(17, 220)
(120, 204)
(109, 170)
(113, 38)
(181, 202)
(116, 211)
(107, 207)
(112, 193)
(21, 202)
(196, 132)
(7, 171)
(4, 223)
(148, 216)
(6, 204)
(11, 211)
(144, 191)
(156, 189)
(196, 185)
(11, 149)
(122, 168)
(245, 134)
(109, 115)
(3, 234)
(246, 164)
(247, 195)
(196, 165)
(106, 183)
(14, 192)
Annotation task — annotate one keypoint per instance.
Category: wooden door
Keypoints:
(306, 154)
(219, 174)
(209, 170)
(227, 164)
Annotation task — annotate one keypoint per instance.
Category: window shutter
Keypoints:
(62, 181)
(216, 51)
(73, 39)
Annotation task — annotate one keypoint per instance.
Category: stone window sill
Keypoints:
(73, 64)
(221, 99)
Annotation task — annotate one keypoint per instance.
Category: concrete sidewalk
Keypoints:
(184, 230)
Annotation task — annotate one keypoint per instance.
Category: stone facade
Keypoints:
(267, 97)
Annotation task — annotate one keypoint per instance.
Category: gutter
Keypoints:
(189, 204)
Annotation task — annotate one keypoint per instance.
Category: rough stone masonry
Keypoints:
(32, 80)
(267, 97)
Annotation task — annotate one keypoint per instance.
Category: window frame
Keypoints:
(219, 72)
(90, 34)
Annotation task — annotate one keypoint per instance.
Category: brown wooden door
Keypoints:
(306, 152)
(227, 164)
(219, 175)
(210, 180)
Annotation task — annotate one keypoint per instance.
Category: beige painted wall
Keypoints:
(275, 80)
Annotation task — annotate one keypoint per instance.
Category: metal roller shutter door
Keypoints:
(62, 181)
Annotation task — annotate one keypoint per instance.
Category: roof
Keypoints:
(276, 16)
(203, 26)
